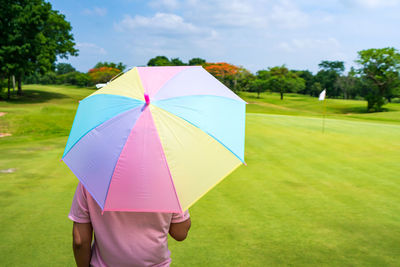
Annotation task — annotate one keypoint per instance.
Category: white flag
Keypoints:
(322, 95)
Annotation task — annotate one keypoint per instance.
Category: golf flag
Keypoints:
(322, 95)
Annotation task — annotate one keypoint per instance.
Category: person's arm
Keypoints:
(82, 240)
(180, 230)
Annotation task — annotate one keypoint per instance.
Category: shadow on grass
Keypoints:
(354, 110)
(252, 96)
(32, 96)
(362, 110)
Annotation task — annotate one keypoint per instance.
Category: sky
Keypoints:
(254, 34)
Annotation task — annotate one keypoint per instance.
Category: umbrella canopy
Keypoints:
(156, 139)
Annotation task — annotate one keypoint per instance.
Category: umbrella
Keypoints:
(156, 139)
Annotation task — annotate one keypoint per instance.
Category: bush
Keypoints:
(375, 102)
(32, 78)
(74, 78)
(48, 78)
(102, 75)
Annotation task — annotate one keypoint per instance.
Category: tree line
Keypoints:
(376, 78)
(65, 73)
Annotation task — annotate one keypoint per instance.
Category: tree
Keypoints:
(327, 76)
(159, 61)
(221, 69)
(224, 72)
(49, 77)
(259, 86)
(8, 13)
(308, 78)
(336, 66)
(243, 79)
(348, 84)
(32, 36)
(63, 68)
(59, 41)
(283, 80)
(379, 70)
(164, 61)
(263, 74)
(197, 61)
(315, 89)
(113, 65)
(177, 62)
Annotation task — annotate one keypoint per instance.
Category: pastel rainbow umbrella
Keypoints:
(156, 139)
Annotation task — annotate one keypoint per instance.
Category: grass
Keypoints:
(302, 105)
(306, 198)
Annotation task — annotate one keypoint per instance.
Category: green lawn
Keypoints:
(306, 198)
(301, 105)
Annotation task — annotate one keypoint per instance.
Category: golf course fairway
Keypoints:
(305, 198)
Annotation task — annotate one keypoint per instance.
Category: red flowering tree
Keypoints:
(221, 69)
(230, 75)
(102, 74)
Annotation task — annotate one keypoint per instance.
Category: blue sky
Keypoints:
(255, 34)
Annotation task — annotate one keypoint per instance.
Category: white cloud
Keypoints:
(238, 14)
(164, 33)
(226, 13)
(160, 22)
(95, 11)
(90, 48)
(287, 15)
(164, 25)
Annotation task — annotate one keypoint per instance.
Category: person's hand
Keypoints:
(180, 230)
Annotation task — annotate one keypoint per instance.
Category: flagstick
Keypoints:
(323, 116)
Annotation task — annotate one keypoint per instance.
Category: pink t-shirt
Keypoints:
(125, 238)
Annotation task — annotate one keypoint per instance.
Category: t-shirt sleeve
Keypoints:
(180, 217)
(79, 209)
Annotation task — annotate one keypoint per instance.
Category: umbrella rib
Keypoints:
(199, 95)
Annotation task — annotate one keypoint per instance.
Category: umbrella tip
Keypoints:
(147, 99)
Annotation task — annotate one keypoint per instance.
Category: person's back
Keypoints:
(123, 238)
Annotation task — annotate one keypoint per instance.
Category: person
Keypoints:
(122, 238)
